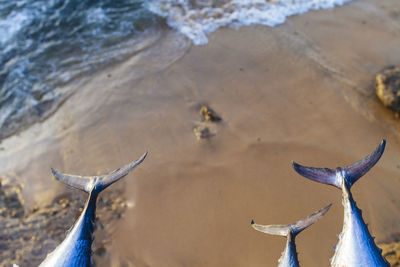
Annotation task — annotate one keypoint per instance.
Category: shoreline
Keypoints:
(288, 94)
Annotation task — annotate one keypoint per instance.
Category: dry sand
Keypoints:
(302, 91)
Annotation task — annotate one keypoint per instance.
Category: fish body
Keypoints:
(356, 246)
(289, 255)
(76, 249)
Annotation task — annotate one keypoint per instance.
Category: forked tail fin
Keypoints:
(294, 228)
(96, 183)
(350, 174)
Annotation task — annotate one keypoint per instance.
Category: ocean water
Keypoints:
(48, 45)
(197, 18)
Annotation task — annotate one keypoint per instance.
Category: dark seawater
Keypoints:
(46, 44)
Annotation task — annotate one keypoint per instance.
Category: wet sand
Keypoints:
(302, 91)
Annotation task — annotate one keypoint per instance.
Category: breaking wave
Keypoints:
(196, 19)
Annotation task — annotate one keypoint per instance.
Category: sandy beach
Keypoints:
(300, 91)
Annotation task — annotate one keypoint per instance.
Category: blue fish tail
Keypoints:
(349, 174)
(96, 184)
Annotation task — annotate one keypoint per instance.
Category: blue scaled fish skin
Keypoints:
(289, 255)
(356, 246)
(76, 250)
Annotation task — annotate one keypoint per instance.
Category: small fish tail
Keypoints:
(349, 174)
(291, 229)
(96, 183)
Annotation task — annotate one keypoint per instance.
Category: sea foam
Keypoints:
(197, 18)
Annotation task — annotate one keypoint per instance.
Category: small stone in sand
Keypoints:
(11, 204)
(34, 209)
(209, 114)
(202, 132)
(392, 253)
(64, 202)
(100, 250)
(388, 87)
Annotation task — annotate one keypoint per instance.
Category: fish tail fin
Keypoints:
(96, 183)
(350, 174)
(291, 229)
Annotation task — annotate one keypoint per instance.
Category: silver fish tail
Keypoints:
(289, 255)
(76, 249)
(356, 247)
